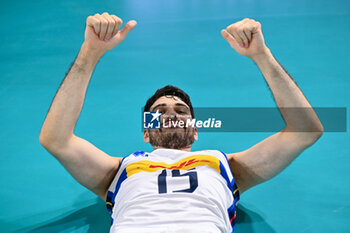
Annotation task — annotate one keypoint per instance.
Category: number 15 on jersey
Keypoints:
(175, 174)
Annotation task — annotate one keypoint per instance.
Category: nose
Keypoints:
(170, 112)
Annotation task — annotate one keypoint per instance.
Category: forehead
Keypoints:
(168, 100)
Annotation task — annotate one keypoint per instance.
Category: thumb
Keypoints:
(127, 28)
(229, 38)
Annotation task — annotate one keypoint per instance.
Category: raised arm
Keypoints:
(303, 128)
(90, 166)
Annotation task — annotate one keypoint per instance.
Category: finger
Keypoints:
(227, 36)
(94, 23)
(251, 27)
(232, 29)
(230, 39)
(104, 26)
(118, 24)
(127, 28)
(248, 31)
(110, 27)
(240, 32)
(256, 27)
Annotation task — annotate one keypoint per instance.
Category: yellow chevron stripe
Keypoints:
(183, 164)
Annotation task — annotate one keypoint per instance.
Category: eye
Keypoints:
(162, 110)
(181, 111)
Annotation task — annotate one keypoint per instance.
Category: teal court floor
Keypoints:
(176, 42)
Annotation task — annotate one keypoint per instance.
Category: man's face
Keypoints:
(173, 134)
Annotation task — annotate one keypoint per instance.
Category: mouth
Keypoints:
(172, 125)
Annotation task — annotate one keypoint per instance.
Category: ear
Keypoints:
(195, 134)
(145, 136)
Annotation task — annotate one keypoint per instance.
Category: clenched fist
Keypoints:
(245, 37)
(102, 31)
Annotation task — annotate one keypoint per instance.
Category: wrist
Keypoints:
(88, 50)
(263, 55)
(88, 57)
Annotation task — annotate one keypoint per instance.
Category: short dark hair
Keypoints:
(169, 90)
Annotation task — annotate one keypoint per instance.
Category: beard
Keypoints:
(172, 138)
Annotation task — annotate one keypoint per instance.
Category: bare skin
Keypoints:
(177, 110)
(269, 157)
(90, 166)
(95, 169)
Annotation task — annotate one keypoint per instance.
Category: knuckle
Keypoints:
(233, 26)
(239, 29)
(118, 20)
(92, 20)
(105, 13)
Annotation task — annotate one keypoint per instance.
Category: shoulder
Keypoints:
(135, 155)
(117, 160)
(222, 156)
(217, 152)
